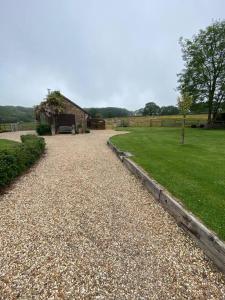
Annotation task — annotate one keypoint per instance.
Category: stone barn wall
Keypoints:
(80, 115)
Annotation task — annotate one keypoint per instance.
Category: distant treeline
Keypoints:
(150, 109)
(108, 112)
(13, 114)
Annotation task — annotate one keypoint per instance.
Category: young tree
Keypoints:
(204, 71)
(151, 109)
(184, 103)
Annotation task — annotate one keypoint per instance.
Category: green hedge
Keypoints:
(18, 157)
(43, 129)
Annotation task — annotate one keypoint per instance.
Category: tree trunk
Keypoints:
(182, 130)
(211, 98)
(214, 116)
(216, 108)
(209, 121)
(53, 125)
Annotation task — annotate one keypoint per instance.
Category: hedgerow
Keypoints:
(43, 129)
(18, 157)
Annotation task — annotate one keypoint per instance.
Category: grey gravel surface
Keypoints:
(80, 226)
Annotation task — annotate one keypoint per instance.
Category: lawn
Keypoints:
(193, 172)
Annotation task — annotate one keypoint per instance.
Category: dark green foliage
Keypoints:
(13, 114)
(204, 71)
(108, 112)
(15, 157)
(43, 129)
(151, 109)
(200, 107)
(50, 107)
(139, 112)
(169, 110)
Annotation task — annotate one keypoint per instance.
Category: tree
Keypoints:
(199, 107)
(139, 112)
(13, 114)
(204, 71)
(108, 112)
(151, 109)
(169, 110)
(50, 108)
(184, 103)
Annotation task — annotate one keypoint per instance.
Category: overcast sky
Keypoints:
(97, 52)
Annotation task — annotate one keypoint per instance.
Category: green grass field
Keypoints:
(193, 172)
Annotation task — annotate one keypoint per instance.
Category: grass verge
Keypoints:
(193, 172)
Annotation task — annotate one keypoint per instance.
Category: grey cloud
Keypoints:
(98, 53)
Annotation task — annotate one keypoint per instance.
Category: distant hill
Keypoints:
(108, 112)
(13, 114)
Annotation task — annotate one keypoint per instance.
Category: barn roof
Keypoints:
(67, 99)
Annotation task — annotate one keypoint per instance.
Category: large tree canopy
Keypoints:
(151, 109)
(203, 76)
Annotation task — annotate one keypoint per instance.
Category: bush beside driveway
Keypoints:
(17, 157)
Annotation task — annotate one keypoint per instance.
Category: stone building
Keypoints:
(73, 116)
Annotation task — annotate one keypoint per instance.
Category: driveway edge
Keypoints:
(207, 240)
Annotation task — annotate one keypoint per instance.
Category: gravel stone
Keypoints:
(78, 225)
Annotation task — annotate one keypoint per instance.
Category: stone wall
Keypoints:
(80, 115)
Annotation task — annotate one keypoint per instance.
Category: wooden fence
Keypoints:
(4, 127)
(147, 121)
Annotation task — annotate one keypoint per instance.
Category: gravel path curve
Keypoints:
(80, 226)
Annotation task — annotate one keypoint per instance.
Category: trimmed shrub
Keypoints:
(193, 126)
(16, 159)
(43, 129)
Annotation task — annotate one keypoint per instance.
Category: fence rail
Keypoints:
(5, 127)
(153, 122)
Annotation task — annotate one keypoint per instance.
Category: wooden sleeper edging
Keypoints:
(119, 153)
(208, 241)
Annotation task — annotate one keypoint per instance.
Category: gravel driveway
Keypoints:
(80, 226)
